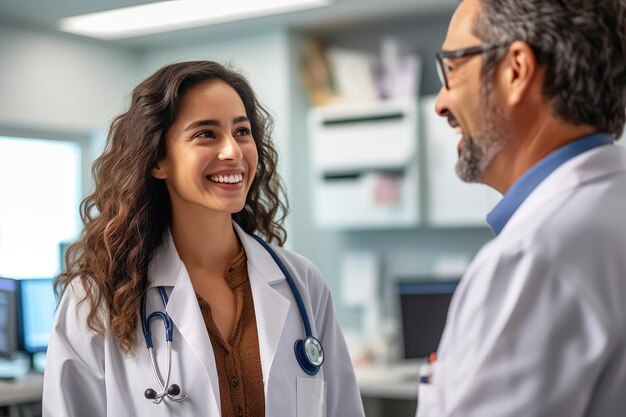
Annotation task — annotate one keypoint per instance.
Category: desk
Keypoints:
(25, 389)
(386, 390)
(22, 396)
(389, 390)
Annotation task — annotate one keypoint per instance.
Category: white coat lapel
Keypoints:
(270, 306)
(168, 270)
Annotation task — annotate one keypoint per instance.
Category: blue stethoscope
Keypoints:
(309, 352)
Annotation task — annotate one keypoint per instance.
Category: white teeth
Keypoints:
(458, 130)
(228, 179)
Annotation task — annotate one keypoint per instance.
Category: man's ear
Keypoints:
(158, 172)
(521, 72)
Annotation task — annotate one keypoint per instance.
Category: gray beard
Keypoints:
(480, 149)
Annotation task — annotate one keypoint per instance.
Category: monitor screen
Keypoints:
(423, 309)
(37, 310)
(8, 317)
(63, 246)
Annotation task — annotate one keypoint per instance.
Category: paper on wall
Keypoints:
(359, 276)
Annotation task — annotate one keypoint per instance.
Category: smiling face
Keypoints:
(211, 155)
(470, 104)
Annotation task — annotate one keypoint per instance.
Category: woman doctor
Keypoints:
(187, 176)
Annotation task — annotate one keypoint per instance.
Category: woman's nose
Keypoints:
(230, 149)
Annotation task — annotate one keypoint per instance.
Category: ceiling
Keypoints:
(44, 15)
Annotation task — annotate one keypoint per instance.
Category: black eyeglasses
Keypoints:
(441, 56)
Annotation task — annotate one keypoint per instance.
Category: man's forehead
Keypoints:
(461, 25)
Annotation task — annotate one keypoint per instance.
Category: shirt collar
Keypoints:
(521, 189)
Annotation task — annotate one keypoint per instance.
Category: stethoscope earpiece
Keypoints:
(173, 390)
(150, 394)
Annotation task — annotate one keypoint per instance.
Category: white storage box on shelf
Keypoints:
(451, 202)
(365, 165)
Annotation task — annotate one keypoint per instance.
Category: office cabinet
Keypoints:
(364, 165)
(366, 168)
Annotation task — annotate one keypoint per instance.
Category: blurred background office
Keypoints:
(369, 168)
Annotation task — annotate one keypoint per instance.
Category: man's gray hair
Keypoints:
(581, 44)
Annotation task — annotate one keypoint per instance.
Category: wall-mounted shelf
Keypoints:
(365, 165)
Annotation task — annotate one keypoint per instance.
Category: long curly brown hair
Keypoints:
(125, 217)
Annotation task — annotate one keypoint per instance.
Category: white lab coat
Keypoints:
(537, 326)
(87, 375)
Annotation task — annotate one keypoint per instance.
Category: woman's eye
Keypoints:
(206, 134)
(243, 132)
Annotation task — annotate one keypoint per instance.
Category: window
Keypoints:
(40, 192)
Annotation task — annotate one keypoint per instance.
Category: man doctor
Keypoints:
(537, 327)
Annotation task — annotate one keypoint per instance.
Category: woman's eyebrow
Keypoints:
(213, 122)
(198, 123)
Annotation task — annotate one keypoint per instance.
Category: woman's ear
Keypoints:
(158, 172)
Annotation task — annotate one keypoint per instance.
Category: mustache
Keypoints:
(452, 121)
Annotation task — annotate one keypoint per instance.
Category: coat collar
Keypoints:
(166, 263)
(259, 259)
(524, 186)
(582, 169)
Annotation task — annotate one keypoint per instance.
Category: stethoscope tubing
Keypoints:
(162, 384)
(167, 320)
(292, 285)
(169, 336)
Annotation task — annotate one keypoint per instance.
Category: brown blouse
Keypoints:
(238, 360)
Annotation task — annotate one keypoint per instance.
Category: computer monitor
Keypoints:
(63, 246)
(37, 308)
(8, 317)
(423, 309)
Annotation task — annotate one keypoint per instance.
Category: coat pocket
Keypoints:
(311, 396)
(428, 401)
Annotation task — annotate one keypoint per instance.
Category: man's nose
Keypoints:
(441, 107)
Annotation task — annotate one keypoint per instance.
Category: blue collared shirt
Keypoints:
(500, 215)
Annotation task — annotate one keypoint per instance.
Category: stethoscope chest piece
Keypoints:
(309, 354)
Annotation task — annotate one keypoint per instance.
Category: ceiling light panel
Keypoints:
(167, 16)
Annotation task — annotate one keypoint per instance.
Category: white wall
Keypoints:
(61, 83)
